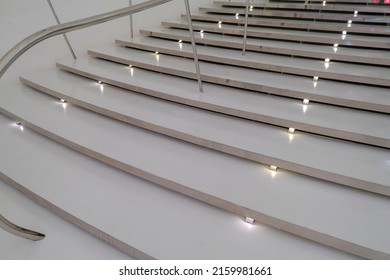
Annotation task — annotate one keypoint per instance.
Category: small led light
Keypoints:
(237, 16)
(100, 82)
(291, 130)
(324, 3)
(355, 13)
(327, 60)
(202, 31)
(344, 32)
(306, 101)
(249, 220)
(315, 78)
(62, 100)
(273, 167)
(336, 45)
(251, 8)
(130, 66)
(156, 53)
(180, 41)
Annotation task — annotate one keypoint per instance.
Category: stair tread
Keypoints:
(330, 6)
(217, 176)
(284, 48)
(293, 23)
(319, 118)
(281, 84)
(301, 66)
(309, 15)
(286, 34)
(140, 213)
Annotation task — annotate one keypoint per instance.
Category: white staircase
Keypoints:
(147, 163)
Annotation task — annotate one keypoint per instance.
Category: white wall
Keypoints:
(20, 18)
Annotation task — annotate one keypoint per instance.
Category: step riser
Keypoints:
(307, 15)
(116, 243)
(260, 66)
(217, 202)
(250, 86)
(365, 139)
(280, 24)
(259, 48)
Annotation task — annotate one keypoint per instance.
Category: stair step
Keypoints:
(354, 125)
(221, 134)
(136, 216)
(276, 47)
(296, 24)
(292, 35)
(330, 92)
(242, 187)
(297, 66)
(63, 241)
(362, 22)
(312, 6)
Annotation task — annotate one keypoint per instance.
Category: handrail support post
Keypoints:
(245, 27)
(58, 22)
(191, 29)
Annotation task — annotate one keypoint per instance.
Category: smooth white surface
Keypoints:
(273, 46)
(294, 65)
(301, 200)
(332, 92)
(257, 106)
(308, 15)
(157, 221)
(285, 34)
(62, 241)
(299, 24)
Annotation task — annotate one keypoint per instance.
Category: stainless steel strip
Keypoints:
(13, 54)
(19, 231)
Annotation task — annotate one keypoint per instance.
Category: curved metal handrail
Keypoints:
(13, 54)
(19, 231)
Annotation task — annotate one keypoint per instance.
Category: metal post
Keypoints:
(58, 22)
(187, 4)
(246, 26)
(131, 21)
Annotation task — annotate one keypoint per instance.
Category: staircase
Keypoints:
(294, 135)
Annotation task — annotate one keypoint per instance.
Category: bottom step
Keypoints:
(140, 218)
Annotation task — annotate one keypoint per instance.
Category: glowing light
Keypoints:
(291, 138)
(327, 60)
(355, 13)
(156, 53)
(306, 101)
(315, 78)
(349, 23)
(315, 84)
(335, 46)
(249, 220)
(324, 3)
(304, 108)
(62, 100)
(19, 124)
(100, 82)
(251, 8)
(130, 66)
(180, 41)
(237, 16)
(291, 130)
(343, 36)
(202, 33)
(273, 167)
(344, 32)
(219, 24)
(131, 72)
